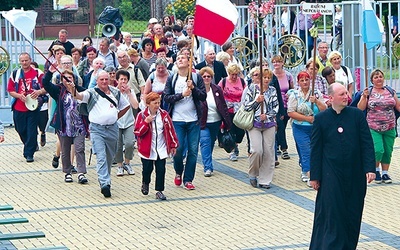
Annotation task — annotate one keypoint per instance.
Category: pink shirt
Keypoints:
(232, 93)
(380, 111)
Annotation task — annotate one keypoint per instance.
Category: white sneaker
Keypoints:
(120, 171)
(128, 168)
(304, 177)
(233, 157)
(308, 183)
(207, 173)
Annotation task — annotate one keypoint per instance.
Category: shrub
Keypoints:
(181, 8)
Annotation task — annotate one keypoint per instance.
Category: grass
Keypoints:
(394, 72)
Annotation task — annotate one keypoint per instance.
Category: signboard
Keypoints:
(65, 4)
(323, 8)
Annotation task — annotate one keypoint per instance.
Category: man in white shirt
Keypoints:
(184, 98)
(103, 115)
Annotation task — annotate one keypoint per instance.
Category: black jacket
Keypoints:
(219, 70)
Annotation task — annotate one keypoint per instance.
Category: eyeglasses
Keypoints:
(111, 73)
(122, 57)
(66, 63)
(206, 76)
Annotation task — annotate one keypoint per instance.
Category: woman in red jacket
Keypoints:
(156, 141)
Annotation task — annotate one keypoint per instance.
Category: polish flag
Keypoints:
(215, 20)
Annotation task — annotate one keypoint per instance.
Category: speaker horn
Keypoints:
(109, 30)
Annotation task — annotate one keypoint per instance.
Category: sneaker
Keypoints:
(189, 186)
(265, 186)
(128, 168)
(378, 178)
(236, 151)
(304, 177)
(207, 173)
(55, 161)
(160, 196)
(73, 170)
(233, 157)
(285, 155)
(386, 179)
(43, 139)
(278, 152)
(178, 180)
(308, 183)
(253, 183)
(29, 159)
(106, 191)
(145, 188)
(120, 171)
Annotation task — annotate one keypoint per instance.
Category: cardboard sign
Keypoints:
(323, 8)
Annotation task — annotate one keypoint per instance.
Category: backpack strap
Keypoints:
(345, 70)
(135, 69)
(243, 83)
(113, 56)
(223, 83)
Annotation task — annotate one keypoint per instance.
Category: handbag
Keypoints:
(244, 119)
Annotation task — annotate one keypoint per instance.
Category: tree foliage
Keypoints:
(26, 4)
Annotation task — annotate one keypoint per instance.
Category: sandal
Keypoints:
(82, 179)
(285, 155)
(68, 178)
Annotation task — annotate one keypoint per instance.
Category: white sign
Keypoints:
(323, 8)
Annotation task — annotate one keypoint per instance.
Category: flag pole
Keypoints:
(365, 66)
(260, 49)
(313, 74)
(191, 57)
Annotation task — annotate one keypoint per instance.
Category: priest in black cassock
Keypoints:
(342, 162)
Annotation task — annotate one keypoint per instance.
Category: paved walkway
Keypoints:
(224, 212)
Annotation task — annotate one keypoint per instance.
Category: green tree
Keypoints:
(26, 4)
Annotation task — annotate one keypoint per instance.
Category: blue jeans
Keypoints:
(208, 135)
(188, 135)
(26, 126)
(302, 137)
(104, 142)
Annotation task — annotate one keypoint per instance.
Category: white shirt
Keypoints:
(158, 144)
(341, 77)
(184, 110)
(127, 119)
(213, 115)
(285, 18)
(103, 111)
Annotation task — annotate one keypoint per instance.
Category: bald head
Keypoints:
(334, 88)
(338, 96)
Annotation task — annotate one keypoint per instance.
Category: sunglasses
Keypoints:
(206, 76)
(111, 73)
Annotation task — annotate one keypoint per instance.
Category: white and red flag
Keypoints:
(215, 20)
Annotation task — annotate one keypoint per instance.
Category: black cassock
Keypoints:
(342, 152)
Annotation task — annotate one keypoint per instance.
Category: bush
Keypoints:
(181, 8)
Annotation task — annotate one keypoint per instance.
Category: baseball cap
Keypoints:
(153, 20)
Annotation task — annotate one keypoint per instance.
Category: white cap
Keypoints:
(153, 20)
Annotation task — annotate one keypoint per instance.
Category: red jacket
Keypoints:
(143, 131)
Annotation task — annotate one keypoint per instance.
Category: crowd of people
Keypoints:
(155, 95)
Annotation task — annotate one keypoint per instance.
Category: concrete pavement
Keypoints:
(224, 212)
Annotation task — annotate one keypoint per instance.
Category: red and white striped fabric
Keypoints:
(215, 20)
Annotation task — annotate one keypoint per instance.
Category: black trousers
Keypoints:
(26, 126)
(148, 166)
